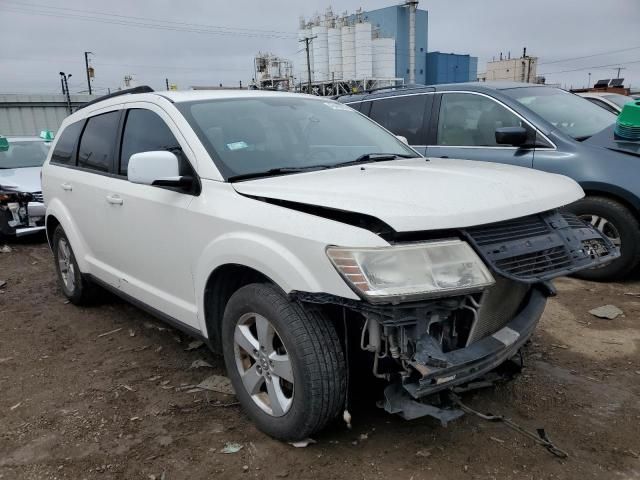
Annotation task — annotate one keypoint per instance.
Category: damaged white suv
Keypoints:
(295, 235)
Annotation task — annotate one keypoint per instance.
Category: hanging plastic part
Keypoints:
(346, 416)
(541, 438)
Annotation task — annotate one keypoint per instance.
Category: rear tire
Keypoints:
(617, 222)
(75, 286)
(308, 378)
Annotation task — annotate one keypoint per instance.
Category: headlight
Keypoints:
(414, 271)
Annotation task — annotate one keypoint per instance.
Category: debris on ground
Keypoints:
(231, 447)
(303, 443)
(110, 332)
(132, 333)
(3, 283)
(5, 359)
(194, 345)
(423, 453)
(606, 311)
(149, 325)
(200, 364)
(15, 406)
(5, 249)
(217, 383)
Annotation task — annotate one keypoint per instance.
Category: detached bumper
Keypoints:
(466, 364)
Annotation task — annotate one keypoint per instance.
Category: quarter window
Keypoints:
(403, 115)
(97, 142)
(472, 120)
(145, 131)
(63, 153)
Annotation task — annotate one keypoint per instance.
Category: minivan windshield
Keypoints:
(22, 154)
(270, 135)
(571, 114)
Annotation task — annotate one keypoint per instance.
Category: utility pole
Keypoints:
(589, 84)
(86, 67)
(64, 78)
(618, 69)
(307, 41)
(166, 82)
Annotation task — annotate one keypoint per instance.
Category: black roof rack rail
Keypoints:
(140, 89)
(377, 89)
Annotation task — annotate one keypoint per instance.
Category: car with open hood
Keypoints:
(302, 241)
(528, 125)
(21, 206)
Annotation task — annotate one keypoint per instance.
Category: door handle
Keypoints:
(114, 200)
(66, 186)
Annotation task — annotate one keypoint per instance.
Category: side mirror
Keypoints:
(515, 136)
(403, 139)
(159, 168)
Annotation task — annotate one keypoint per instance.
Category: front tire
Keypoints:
(285, 362)
(616, 222)
(73, 283)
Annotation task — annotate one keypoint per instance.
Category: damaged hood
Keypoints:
(416, 194)
(25, 179)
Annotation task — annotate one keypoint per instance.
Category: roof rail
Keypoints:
(140, 89)
(389, 87)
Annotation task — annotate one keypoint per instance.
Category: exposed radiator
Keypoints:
(498, 306)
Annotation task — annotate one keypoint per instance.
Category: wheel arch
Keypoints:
(612, 192)
(221, 284)
(57, 214)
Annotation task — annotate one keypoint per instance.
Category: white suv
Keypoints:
(295, 235)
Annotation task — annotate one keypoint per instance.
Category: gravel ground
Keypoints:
(75, 405)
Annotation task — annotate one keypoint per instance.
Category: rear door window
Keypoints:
(98, 142)
(66, 144)
(402, 115)
(145, 131)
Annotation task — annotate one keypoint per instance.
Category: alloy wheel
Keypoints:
(264, 364)
(604, 226)
(65, 264)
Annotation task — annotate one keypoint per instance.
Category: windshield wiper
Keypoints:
(276, 171)
(374, 157)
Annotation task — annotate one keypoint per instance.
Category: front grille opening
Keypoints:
(533, 264)
(540, 247)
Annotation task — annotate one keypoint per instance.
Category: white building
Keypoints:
(521, 69)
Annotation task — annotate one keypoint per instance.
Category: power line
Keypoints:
(590, 68)
(156, 20)
(153, 26)
(589, 56)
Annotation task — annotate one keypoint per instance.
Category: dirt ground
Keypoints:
(76, 405)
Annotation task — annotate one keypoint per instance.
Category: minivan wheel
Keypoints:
(285, 362)
(616, 222)
(75, 286)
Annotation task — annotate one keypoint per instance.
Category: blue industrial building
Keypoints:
(450, 68)
(394, 22)
(431, 68)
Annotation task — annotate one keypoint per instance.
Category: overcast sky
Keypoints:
(211, 41)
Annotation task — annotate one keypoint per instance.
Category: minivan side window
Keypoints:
(471, 120)
(402, 115)
(97, 142)
(62, 154)
(144, 131)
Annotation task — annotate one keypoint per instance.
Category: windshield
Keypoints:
(261, 134)
(23, 154)
(620, 100)
(571, 114)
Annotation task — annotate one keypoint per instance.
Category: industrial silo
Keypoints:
(364, 59)
(384, 57)
(320, 53)
(334, 40)
(348, 52)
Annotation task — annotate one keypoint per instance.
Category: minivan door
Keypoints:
(464, 126)
(150, 224)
